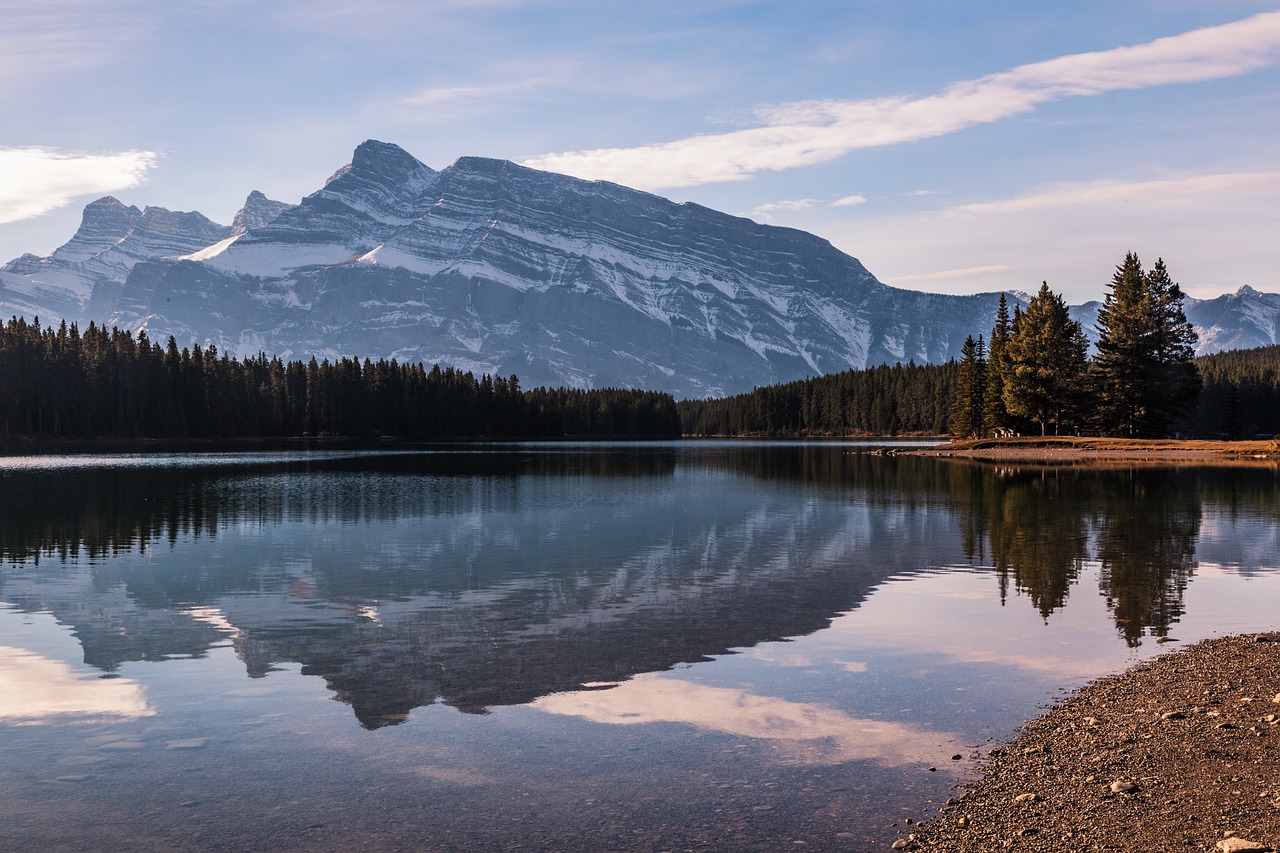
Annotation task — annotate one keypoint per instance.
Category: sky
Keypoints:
(952, 147)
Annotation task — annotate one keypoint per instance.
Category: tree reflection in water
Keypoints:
(1038, 526)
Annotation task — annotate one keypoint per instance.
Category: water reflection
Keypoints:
(495, 577)
(38, 688)
(1038, 526)
(474, 581)
(801, 733)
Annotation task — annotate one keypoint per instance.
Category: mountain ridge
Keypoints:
(494, 267)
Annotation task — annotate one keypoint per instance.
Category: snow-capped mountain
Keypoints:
(78, 277)
(497, 268)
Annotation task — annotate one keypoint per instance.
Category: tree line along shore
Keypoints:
(1032, 376)
(62, 384)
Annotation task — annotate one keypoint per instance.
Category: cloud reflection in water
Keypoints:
(802, 733)
(34, 689)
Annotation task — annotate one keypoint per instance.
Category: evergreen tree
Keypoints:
(1178, 378)
(1143, 376)
(965, 419)
(995, 416)
(1046, 353)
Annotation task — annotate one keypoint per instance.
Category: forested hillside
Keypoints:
(58, 383)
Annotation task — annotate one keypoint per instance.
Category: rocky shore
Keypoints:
(1180, 753)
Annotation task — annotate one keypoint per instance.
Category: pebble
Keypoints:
(1123, 786)
(1025, 798)
(1240, 845)
(1173, 715)
(900, 844)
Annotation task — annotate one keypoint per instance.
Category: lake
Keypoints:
(659, 646)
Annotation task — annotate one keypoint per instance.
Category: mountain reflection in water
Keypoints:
(495, 577)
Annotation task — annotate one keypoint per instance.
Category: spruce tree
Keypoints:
(1046, 355)
(1143, 376)
(965, 419)
(1122, 371)
(995, 416)
(1178, 378)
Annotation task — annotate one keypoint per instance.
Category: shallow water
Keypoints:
(571, 647)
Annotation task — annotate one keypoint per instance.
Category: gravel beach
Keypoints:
(1179, 753)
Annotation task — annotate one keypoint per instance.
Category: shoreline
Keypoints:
(1091, 451)
(1181, 752)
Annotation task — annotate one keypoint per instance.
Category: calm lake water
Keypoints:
(571, 647)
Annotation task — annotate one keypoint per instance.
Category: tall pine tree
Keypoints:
(995, 417)
(1143, 376)
(965, 419)
(1046, 354)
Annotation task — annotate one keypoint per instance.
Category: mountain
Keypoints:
(112, 238)
(497, 268)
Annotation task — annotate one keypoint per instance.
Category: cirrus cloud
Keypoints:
(34, 181)
(807, 133)
(1114, 192)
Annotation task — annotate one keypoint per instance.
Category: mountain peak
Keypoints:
(106, 205)
(258, 210)
(372, 155)
(105, 222)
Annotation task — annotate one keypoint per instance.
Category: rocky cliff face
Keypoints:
(493, 267)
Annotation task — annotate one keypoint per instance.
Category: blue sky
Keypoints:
(951, 146)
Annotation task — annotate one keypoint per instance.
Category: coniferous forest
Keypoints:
(1033, 375)
(59, 383)
(1240, 399)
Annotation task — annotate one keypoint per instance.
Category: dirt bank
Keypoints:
(1180, 753)
(1096, 450)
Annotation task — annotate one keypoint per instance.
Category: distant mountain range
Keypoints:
(496, 268)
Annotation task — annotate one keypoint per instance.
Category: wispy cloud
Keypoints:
(850, 201)
(811, 132)
(788, 206)
(435, 95)
(944, 275)
(1115, 192)
(34, 181)
(64, 37)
